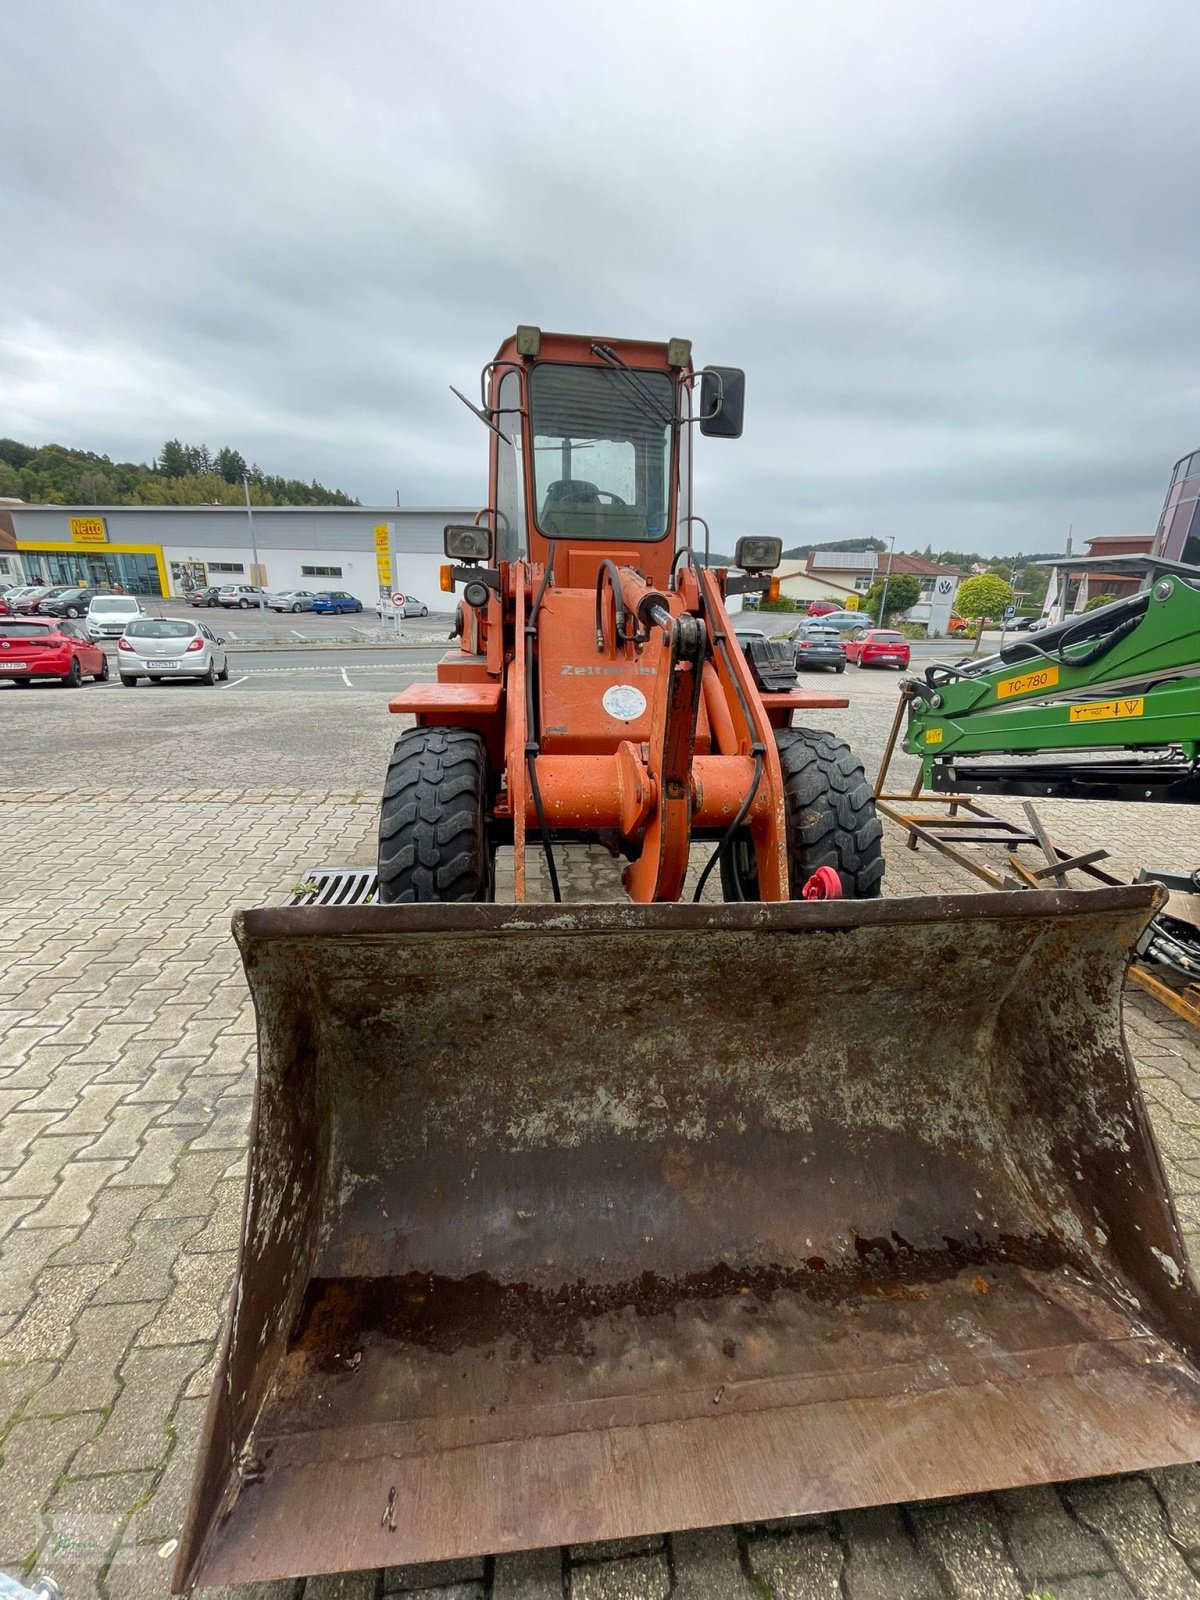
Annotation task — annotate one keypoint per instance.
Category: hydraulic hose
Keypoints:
(532, 739)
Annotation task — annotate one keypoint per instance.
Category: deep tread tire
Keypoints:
(74, 678)
(433, 843)
(831, 819)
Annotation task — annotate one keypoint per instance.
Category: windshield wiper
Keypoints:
(650, 404)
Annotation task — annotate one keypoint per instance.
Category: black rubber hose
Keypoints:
(532, 738)
(731, 832)
(757, 751)
(608, 569)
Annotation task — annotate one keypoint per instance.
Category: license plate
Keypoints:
(22, 666)
(161, 666)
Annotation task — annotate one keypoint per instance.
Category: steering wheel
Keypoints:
(609, 495)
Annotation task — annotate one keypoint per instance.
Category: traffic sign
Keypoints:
(398, 600)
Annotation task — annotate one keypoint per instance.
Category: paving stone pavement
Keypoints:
(126, 1066)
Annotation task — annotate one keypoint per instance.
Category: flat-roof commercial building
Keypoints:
(166, 550)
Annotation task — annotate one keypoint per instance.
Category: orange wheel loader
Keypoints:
(575, 1222)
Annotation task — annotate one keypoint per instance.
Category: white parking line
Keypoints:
(296, 634)
(346, 679)
(233, 682)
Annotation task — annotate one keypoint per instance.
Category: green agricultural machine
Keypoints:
(1103, 706)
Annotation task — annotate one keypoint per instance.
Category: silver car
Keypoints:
(110, 614)
(291, 600)
(170, 647)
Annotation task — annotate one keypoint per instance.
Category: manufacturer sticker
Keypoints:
(624, 702)
(1027, 683)
(934, 735)
(1107, 710)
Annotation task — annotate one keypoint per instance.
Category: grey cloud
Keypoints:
(955, 247)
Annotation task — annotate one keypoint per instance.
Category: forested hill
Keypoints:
(180, 475)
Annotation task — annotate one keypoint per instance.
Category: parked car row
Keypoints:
(36, 648)
(243, 596)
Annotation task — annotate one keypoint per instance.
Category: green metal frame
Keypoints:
(987, 713)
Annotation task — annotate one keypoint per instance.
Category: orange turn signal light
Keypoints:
(446, 579)
(773, 589)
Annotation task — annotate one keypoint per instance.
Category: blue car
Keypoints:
(336, 601)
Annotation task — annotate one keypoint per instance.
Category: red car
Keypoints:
(49, 647)
(877, 647)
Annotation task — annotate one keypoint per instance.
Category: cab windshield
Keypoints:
(601, 451)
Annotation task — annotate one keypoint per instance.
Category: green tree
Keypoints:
(172, 459)
(903, 591)
(229, 464)
(1034, 581)
(985, 596)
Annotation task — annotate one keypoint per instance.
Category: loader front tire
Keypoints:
(831, 820)
(433, 842)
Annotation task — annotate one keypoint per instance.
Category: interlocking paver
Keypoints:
(136, 1433)
(964, 1544)
(1127, 1514)
(343, 1586)
(42, 1167)
(60, 1293)
(882, 1558)
(197, 1301)
(627, 1578)
(155, 1160)
(87, 1379)
(19, 1383)
(70, 1206)
(707, 1565)
(84, 1519)
(145, 1271)
(799, 1566)
(108, 1236)
(162, 1517)
(435, 1574)
(528, 1575)
(193, 1191)
(36, 1454)
(1179, 1490)
(18, 1132)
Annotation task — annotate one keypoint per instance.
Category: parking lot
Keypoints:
(133, 824)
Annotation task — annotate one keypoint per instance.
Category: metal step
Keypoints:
(335, 886)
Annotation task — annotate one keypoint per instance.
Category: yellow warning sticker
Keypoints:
(934, 735)
(1027, 683)
(1107, 710)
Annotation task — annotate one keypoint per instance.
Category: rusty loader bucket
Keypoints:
(575, 1223)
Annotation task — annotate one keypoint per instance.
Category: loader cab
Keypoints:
(593, 451)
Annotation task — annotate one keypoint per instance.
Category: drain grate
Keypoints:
(335, 886)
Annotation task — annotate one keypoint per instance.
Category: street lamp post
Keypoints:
(262, 599)
(887, 578)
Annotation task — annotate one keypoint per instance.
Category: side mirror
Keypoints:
(722, 401)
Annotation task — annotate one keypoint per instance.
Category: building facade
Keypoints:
(167, 550)
(857, 571)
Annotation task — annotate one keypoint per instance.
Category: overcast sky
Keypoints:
(956, 246)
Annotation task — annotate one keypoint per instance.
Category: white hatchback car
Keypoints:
(110, 614)
(170, 647)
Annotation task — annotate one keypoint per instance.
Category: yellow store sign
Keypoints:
(88, 530)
